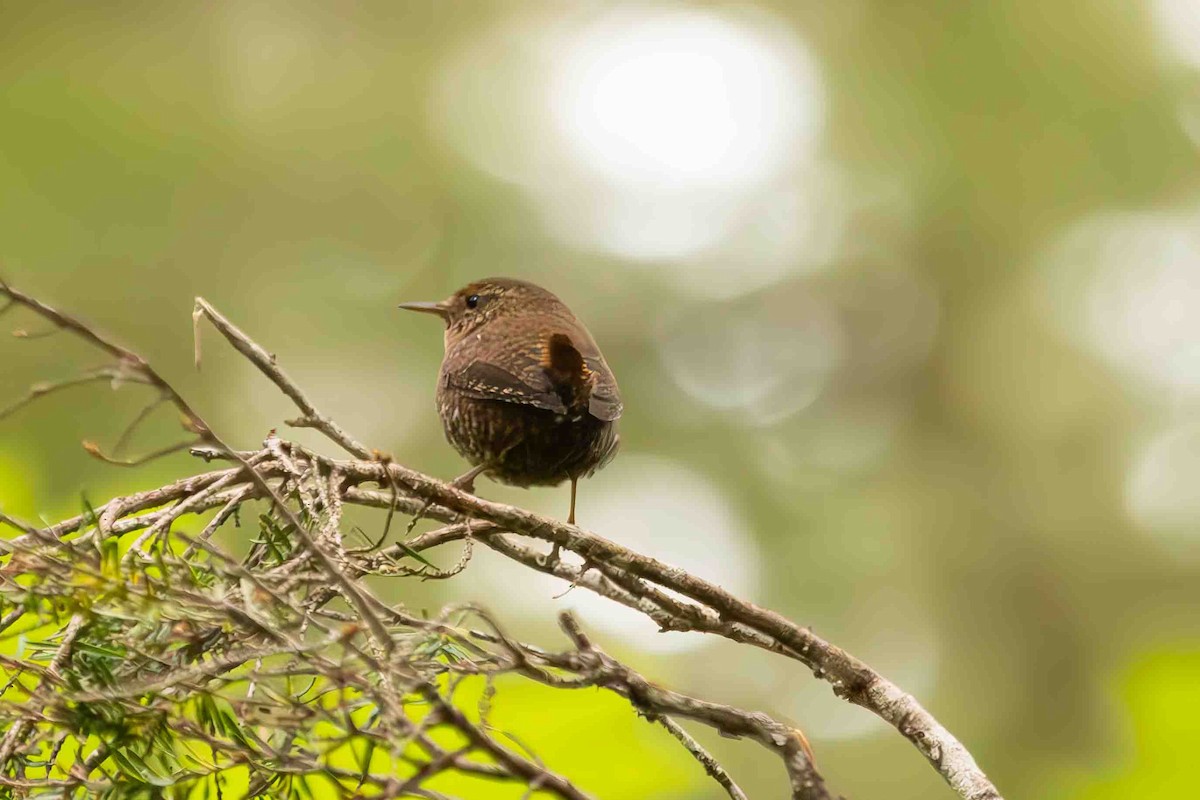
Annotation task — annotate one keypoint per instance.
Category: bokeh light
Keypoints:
(684, 98)
(763, 359)
(1177, 22)
(1124, 285)
(1160, 491)
(662, 134)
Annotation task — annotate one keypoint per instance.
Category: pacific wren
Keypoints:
(524, 393)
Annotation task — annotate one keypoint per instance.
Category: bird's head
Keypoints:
(479, 303)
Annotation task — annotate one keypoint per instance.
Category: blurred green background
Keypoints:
(903, 299)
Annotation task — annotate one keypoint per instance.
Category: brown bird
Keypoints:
(524, 393)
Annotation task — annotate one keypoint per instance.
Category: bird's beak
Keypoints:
(441, 309)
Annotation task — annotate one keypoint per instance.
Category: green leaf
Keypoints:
(131, 764)
(90, 519)
(408, 551)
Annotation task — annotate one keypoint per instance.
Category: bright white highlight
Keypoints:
(676, 139)
(683, 97)
(1160, 491)
(1127, 286)
(1178, 24)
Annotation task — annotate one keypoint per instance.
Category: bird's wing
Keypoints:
(484, 380)
(558, 373)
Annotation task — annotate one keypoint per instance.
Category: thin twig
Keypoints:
(710, 764)
(267, 365)
(39, 390)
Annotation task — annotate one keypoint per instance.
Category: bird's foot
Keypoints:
(466, 481)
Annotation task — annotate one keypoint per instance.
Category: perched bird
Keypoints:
(523, 392)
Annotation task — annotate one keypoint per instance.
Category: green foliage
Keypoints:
(194, 679)
(1160, 698)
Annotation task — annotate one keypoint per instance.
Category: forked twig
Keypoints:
(312, 418)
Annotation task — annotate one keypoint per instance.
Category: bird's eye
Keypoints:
(473, 301)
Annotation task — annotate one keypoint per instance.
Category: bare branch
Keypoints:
(306, 492)
(39, 390)
(94, 450)
(125, 436)
(786, 742)
(195, 423)
(714, 769)
(266, 364)
(127, 360)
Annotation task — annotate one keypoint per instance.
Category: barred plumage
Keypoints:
(524, 392)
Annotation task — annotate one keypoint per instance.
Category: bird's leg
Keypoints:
(556, 550)
(571, 516)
